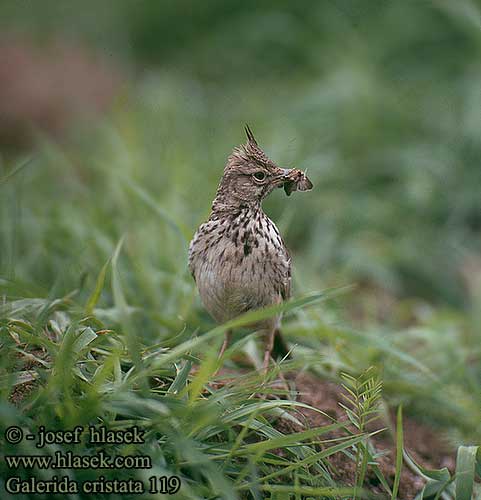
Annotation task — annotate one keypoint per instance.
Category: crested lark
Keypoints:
(237, 257)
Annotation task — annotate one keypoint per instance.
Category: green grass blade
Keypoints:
(181, 379)
(99, 285)
(132, 340)
(465, 467)
(441, 475)
(21, 165)
(84, 338)
(317, 457)
(290, 439)
(399, 452)
(204, 373)
(309, 492)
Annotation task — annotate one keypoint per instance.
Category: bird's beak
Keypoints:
(284, 179)
(283, 176)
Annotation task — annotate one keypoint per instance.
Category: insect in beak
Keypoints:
(295, 180)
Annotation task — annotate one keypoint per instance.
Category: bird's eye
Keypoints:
(259, 176)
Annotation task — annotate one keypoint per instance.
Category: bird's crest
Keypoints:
(249, 151)
(250, 135)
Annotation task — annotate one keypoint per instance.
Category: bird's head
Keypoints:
(250, 175)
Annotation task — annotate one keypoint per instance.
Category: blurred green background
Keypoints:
(116, 119)
(378, 100)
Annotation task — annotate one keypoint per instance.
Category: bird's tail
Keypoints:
(280, 349)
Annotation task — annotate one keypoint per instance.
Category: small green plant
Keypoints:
(362, 407)
(441, 483)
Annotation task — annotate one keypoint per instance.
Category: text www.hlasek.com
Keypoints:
(69, 460)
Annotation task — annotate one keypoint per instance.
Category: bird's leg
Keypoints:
(268, 348)
(270, 339)
(225, 344)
